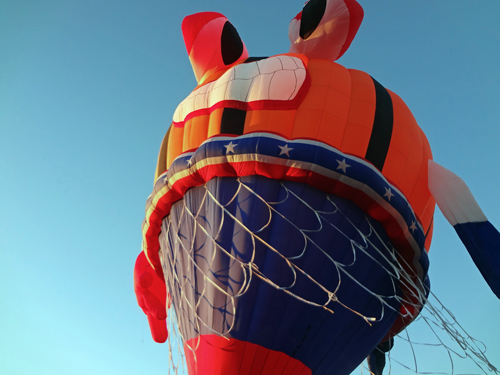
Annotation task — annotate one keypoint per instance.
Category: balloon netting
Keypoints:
(434, 333)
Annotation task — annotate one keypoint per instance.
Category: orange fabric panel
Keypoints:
(340, 79)
(416, 154)
(279, 122)
(256, 121)
(401, 140)
(316, 97)
(427, 147)
(356, 139)
(307, 124)
(361, 114)
(174, 144)
(332, 130)
(320, 71)
(404, 125)
(397, 156)
(419, 198)
(394, 166)
(214, 123)
(338, 101)
(402, 114)
(359, 80)
(312, 120)
(161, 165)
(428, 238)
(409, 140)
(427, 214)
(195, 132)
(408, 180)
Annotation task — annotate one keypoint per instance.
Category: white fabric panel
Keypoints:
(286, 88)
(246, 71)
(237, 92)
(453, 197)
(217, 94)
(260, 88)
(269, 66)
(290, 63)
(274, 78)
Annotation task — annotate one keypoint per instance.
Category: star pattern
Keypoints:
(285, 150)
(343, 165)
(413, 226)
(230, 147)
(388, 194)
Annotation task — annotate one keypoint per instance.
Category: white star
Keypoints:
(230, 147)
(388, 194)
(190, 161)
(343, 165)
(413, 226)
(285, 150)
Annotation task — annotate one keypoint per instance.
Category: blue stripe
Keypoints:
(482, 241)
(316, 153)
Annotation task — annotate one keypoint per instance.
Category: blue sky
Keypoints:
(87, 91)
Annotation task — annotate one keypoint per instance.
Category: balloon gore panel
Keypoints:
(282, 265)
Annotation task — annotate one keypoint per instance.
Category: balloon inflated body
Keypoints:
(271, 182)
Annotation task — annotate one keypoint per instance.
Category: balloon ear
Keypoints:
(325, 28)
(212, 43)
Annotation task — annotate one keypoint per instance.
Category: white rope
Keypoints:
(182, 281)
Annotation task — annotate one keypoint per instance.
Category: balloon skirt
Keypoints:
(276, 277)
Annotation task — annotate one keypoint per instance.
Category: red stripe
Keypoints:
(277, 172)
(216, 355)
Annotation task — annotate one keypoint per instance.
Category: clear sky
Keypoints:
(87, 91)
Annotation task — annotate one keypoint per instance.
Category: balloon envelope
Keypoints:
(290, 213)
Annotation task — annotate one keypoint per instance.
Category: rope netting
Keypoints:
(206, 276)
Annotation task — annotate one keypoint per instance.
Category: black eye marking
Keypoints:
(233, 121)
(231, 44)
(252, 59)
(381, 136)
(312, 14)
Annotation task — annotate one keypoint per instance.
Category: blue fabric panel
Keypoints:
(346, 252)
(482, 241)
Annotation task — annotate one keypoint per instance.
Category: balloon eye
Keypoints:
(231, 44)
(311, 17)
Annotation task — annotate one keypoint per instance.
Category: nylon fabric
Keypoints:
(482, 241)
(218, 234)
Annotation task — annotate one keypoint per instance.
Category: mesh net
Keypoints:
(199, 284)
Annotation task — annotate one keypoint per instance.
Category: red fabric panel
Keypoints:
(357, 14)
(192, 25)
(216, 355)
(151, 295)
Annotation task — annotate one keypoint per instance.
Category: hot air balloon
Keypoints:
(291, 214)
